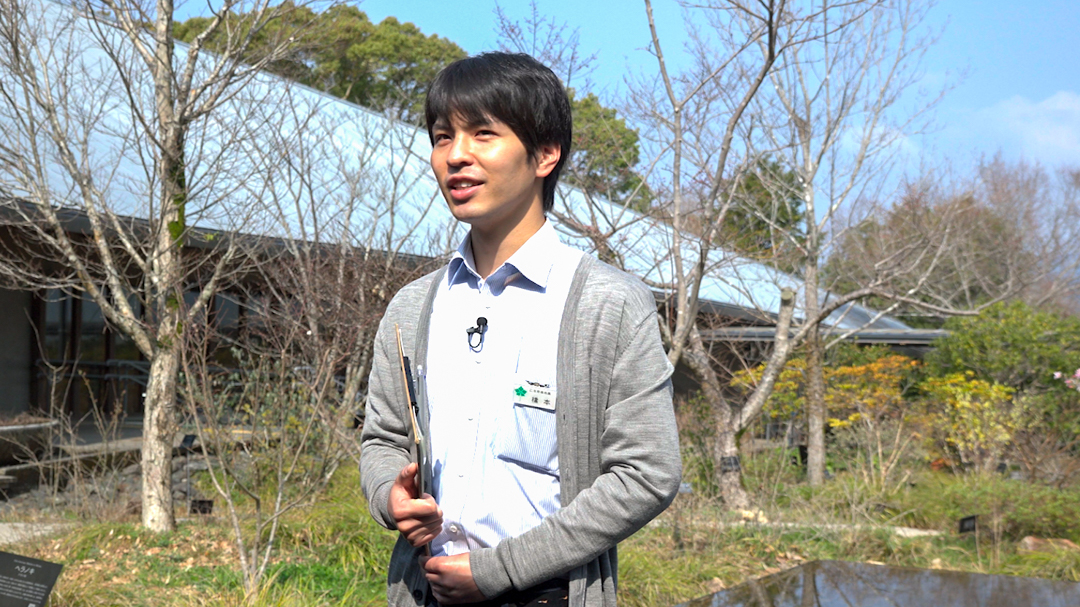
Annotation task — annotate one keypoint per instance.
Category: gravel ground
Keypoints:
(104, 495)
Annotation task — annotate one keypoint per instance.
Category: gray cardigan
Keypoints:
(618, 445)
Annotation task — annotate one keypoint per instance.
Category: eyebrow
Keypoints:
(443, 123)
(485, 121)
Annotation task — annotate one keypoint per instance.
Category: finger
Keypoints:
(407, 479)
(449, 597)
(420, 538)
(412, 529)
(431, 566)
(427, 509)
(443, 593)
(431, 526)
(430, 499)
(408, 519)
(407, 524)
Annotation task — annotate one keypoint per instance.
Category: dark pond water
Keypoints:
(843, 584)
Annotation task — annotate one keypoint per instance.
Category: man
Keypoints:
(543, 384)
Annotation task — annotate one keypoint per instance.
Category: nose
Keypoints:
(460, 152)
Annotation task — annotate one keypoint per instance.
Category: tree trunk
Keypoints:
(726, 457)
(728, 422)
(159, 431)
(729, 470)
(815, 386)
(159, 421)
(166, 295)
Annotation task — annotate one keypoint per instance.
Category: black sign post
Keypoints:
(186, 445)
(730, 464)
(26, 582)
(969, 523)
(188, 442)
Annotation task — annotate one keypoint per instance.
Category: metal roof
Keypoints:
(909, 337)
(286, 161)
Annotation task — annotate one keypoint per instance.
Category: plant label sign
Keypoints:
(26, 582)
(969, 523)
(188, 442)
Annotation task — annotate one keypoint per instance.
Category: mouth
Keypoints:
(462, 188)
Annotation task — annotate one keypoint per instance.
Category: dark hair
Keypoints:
(514, 89)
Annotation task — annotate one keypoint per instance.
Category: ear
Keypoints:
(546, 158)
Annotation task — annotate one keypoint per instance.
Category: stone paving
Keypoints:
(13, 533)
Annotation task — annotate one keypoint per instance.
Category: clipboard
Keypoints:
(419, 449)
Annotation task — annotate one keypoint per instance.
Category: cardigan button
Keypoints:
(418, 595)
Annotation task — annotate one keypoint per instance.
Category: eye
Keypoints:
(440, 137)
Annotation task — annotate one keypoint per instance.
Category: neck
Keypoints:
(492, 246)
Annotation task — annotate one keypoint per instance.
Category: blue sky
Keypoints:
(1020, 94)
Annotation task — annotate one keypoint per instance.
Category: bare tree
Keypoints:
(688, 124)
(695, 125)
(115, 144)
(275, 401)
(351, 210)
(552, 43)
(356, 215)
(1014, 235)
(837, 113)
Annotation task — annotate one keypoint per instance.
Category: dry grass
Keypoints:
(329, 554)
(332, 553)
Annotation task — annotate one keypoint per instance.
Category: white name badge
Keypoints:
(531, 394)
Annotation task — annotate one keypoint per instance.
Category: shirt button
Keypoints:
(453, 528)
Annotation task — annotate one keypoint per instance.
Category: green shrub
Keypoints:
(772, 474)
(1012, 508)
(697, 443)
(975, 420)
(1020, 348)
(1058, 565)
(1011, 344)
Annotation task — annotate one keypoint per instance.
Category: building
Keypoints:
(279, 162)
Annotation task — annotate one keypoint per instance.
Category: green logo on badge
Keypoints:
(520, 391)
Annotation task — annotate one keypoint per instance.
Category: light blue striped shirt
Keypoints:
(494, 454)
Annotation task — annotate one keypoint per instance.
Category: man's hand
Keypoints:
(451, 579)
(417, 517)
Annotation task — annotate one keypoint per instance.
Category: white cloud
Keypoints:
(1047, 130)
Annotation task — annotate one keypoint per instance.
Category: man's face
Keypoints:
(486, 176)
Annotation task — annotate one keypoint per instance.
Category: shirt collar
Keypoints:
(461, 265)
(533, 260)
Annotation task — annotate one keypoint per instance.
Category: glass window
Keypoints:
(57, 324)
(227, 314)
(92, 336)
(227, 321)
